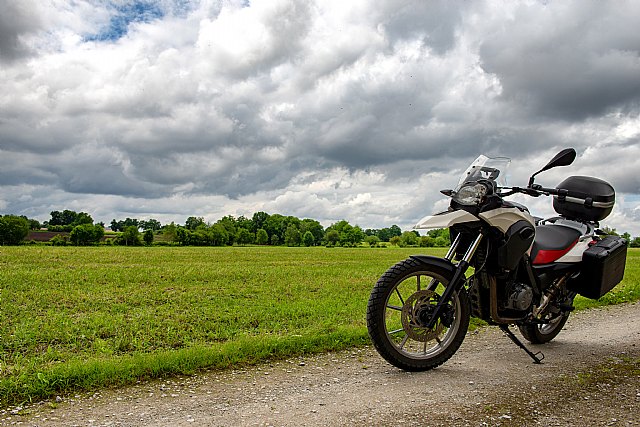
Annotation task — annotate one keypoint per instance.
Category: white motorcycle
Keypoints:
(503, 266)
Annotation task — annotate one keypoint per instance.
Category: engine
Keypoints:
(519, 297)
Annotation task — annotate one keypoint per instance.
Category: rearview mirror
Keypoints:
(563, 158)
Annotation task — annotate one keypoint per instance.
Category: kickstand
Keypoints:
(512, 337)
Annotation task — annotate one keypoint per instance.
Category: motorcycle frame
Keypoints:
(459, 280)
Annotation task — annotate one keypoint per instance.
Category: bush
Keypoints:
(13, 229)
(58, 240)
(86, 234)
(373, 241)
(308, 239)
(262, 238)
(148, 237)
(130, 237)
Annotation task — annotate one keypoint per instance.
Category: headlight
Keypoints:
(470, 194)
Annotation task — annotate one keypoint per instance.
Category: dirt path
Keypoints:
(488, 382)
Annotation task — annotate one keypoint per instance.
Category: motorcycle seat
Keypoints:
(552, 242)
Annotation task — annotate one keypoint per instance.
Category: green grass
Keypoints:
(79, 318)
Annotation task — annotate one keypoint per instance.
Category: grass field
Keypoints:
(77, 318)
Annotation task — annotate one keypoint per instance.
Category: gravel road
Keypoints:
(589, 377)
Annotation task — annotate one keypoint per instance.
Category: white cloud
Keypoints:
(328, 110)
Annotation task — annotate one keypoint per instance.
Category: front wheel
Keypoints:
(400, 305)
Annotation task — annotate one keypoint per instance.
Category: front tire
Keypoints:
(401, 302)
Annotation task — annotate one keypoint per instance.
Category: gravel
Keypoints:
(589, 377)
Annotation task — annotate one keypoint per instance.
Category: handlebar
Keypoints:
(537, 190)
(530, 191)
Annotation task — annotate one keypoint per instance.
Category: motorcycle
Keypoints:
(504, 266)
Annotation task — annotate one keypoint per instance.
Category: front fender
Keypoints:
(443, 263)
(445, 220)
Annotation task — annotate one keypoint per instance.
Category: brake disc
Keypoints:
(414, 306)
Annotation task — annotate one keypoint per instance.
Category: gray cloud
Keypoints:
(434, 23)
(17, 22)
(569, 62)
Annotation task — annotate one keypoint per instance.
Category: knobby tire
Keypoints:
(386, 288)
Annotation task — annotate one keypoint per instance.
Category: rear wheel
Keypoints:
(401, 304)
(540, 334)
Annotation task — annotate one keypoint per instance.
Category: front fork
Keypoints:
(458, 279)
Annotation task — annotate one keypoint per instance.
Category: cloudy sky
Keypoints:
(326, 109)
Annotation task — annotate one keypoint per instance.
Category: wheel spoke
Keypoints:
(404, 341)
(397, 320)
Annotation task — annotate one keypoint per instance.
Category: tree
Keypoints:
(427, 242)
(259, 221)
(244, 236)
(192, 222)
(86, 234)
(13, 229)
(34, 224)
(82, 218)
(183, 235)
(274, 227)
(150, 224)
(353, 236)
(441, 237)
(441, 242)
(292, 236)
(394, 230)
(244, 222)
(262, 238)
(130, 236)
(229, 224)
(307, 239)
(332, 237)
(65, 217)
(170, 231)
(349, 235)
(408, 238)
(121, 225)
(372, 240)
(219, 235)
(314, 227)
(384, 234)
(148, 237)
(395, 240)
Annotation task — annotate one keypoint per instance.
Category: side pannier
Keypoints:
(602, 268)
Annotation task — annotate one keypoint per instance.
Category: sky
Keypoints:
(327, 109)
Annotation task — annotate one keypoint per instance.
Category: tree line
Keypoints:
(260, 229)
